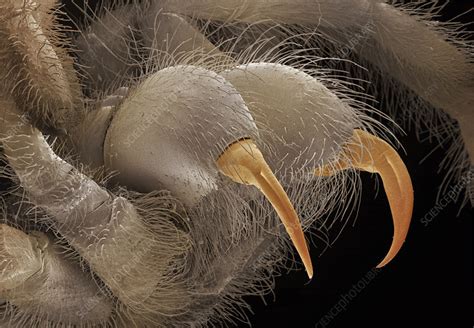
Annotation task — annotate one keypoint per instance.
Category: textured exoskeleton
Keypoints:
(163, 157)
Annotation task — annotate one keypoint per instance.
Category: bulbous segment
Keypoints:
(177, 131)
(170, 131)
(303, 121)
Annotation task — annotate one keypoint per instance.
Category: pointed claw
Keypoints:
(244, 163)
(369, 153)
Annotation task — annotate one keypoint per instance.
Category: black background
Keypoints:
(428, 284)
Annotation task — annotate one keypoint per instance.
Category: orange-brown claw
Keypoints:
(370, 153)
(244, 163)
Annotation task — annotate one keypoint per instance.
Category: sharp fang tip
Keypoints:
(370, 153)
(244, 163)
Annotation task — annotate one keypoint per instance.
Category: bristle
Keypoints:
(146, 259)
(37, 70)
(55, 291)
(427, 58)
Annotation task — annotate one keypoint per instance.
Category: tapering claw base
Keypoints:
(371, 154)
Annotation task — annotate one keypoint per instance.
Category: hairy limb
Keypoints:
(108, 50)
(125, 41)
(331, 13)
(37, 73)
(41, 283)
(104, 229)
(427, 60)
(173, 40)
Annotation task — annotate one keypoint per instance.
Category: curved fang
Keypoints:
(244, 163)
(369, 153)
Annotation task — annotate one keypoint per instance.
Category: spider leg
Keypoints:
(107, 50)
(428, 60)
(20, 258)
(337, 14)
(121, 42)
(37, 73)
(139, 263)
(38, 279)
(176, 41)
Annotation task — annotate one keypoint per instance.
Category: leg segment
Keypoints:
(331, 13)
(139, 264)
(37, 73)
(43, 284)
